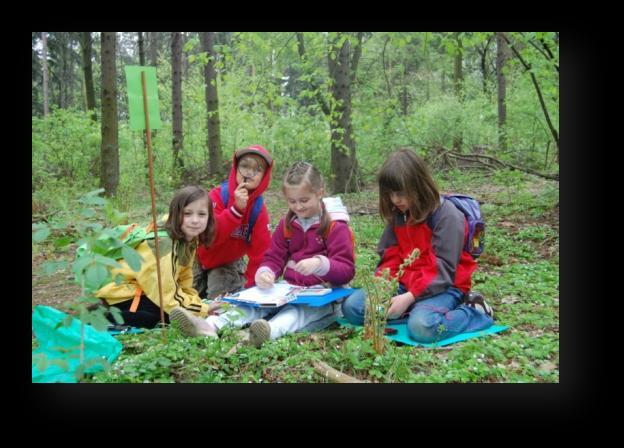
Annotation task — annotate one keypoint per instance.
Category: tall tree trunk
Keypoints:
(458, 83)
(86, 46)
(212, 104)
(141, 49)
(501, 56)
(176, 99)
(343, 160)
(153, 47)
(458, 74)
(483, 57)
(109, 174)
(527, 66)
(44, 65)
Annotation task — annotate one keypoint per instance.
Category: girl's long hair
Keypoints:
(304, 173)
(184, 197)
(404, 171)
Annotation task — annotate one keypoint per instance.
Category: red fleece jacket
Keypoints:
(230, 241)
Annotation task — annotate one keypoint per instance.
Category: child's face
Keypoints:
(195, 218)
(399, 200)
(302, 201)
(251, 169)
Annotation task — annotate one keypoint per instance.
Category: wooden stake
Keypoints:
(153, 195)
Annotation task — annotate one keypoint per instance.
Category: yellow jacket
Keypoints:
(176, 269)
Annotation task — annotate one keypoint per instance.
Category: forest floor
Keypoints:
(518, 274)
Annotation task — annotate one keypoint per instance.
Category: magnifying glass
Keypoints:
(247, 172)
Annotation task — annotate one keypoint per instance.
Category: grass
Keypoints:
(518, 274)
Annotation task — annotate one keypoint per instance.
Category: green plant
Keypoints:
(380, 290)
(99, 249)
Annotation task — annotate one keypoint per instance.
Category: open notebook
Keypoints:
(283, 293)
(280, 294)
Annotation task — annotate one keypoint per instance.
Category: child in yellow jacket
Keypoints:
(190, 222)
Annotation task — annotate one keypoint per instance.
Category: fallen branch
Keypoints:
(332, 374)
(494, 160)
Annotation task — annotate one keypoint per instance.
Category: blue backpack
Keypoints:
(471, 209)
(255, 211)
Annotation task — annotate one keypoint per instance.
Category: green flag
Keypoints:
(135, 97)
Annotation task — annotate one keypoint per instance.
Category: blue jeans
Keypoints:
(430, 320)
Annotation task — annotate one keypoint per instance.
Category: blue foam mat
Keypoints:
(403, 337)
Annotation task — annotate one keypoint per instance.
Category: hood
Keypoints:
(264, 183)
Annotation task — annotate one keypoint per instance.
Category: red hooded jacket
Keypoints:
(230, 243)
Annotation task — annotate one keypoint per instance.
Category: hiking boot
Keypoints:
(259, 331)
(476, 301)
(191, 325)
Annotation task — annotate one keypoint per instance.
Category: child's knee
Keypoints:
(353, 308)
(423, 327)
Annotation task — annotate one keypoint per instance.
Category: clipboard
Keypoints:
(243, 297)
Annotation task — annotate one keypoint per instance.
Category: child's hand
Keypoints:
(265, 279)
(400, 304)
(214, 306)
(308, 266)
(241, 196)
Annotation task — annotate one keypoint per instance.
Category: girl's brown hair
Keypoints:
(184, 197)
(404, 171)
(305, 173)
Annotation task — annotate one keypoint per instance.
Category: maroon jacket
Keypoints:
(230, 243)
(338, 248)
(442, 263)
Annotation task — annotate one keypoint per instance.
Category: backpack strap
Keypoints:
(255, 211)
(433, 218)
(135, 301)
(225, 193)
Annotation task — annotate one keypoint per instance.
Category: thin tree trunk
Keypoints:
(527, 66)
(109, 174)
(458, 74)
(141, 49)
(458, 82)
(501, 56)
(153, 47)
(44, 65)
(212, 105)
(176, 99)
(343, 160)
(88, 72)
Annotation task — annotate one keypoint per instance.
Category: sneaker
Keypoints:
(259, 331)
(191, 325)
(476, 301)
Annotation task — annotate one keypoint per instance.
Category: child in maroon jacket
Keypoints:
(220, 267)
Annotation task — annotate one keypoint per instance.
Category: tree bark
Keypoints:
(458, 83)
(86, 46)
(153, 47)
(212, 105)
(141, 49)
(343, 160)
(458, 74)
(501, 57)
(176, 99)
(109, 174)
(44, 69)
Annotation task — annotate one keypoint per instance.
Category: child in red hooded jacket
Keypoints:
(220, 268)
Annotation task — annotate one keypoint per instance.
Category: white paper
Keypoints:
(279, 294)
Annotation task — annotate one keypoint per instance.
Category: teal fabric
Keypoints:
(63, 343)
(403, 337)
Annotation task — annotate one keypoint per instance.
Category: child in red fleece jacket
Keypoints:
(220, 268)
